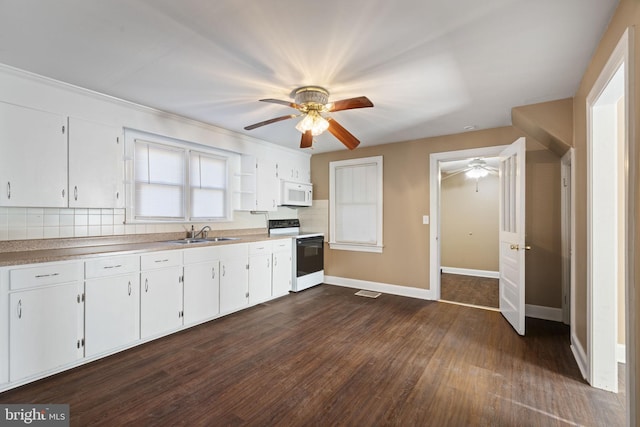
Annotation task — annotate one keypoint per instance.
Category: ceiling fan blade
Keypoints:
(281, 102)
(342, 134)
(268, 122)
(351, 103)
(454, 173)
(307, 140)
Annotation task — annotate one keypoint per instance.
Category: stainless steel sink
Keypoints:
(188, 241)
(220, 239)
(202, 240)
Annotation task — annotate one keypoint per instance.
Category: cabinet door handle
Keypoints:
(161, 260)
(213, 272)
(275, 261)
(224, 271)
(146, 285)
(268, 263)
(19, 309)
(75, 192)
(129, 287)
(106, 267)
(8, 189)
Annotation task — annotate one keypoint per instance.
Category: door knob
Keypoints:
(517, 247)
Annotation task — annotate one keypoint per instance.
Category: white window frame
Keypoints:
(377, 246)
(225, 189)
(132, 136)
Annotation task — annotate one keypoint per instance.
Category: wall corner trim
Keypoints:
(471, 272)
(544, 313)
(579, 355)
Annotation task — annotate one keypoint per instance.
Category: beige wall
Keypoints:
(627, 14)
(469, 222)
(405, 260)
(543, 263)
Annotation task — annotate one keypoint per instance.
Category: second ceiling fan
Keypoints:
(312, 102)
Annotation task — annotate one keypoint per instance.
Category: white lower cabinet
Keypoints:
(201, 284)
(282, 270)
(160, 293)
(259, 272)
(61, 312)
(234, 277)
(45, 321)
(112, 313)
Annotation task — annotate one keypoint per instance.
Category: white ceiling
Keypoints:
(431, 67)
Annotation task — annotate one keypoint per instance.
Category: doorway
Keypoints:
(469, 232)
(437, 160)
(608, 278)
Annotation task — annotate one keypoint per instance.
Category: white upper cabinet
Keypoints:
(96, 172)
(267, 184)
(294, 168)
(33, 157)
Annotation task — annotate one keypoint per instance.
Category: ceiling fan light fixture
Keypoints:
(477, 173)
(314, 122)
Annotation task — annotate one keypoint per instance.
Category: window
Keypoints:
(208, 183)
(159, 181)
(177, 181)
(355, 216)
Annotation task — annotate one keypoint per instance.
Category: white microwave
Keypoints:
(296, 194)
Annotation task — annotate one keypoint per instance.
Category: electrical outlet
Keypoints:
(425, 219)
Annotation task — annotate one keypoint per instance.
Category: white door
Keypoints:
(512, 245)
(201, 291)
(95, 165)
(160, 301)
(33, 164)
(44, 329)
(259, 277)
(112, 313)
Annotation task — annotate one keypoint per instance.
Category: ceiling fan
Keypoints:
(313, 103)
(476, 168)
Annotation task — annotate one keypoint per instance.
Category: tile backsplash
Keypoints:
(45, 223)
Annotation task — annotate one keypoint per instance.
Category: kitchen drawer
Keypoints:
(45, 274)
(111, 266)
(240, 250)
(162, 259)
(195, 255)
(260, 247)
(282, 245)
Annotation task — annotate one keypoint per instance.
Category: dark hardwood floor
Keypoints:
(480, 291)
(325, 357)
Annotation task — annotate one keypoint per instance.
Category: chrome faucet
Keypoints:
(203, 231)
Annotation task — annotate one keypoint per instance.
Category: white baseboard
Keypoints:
(621, 353)
(385, 288)
(544, 313)
(579, 355)
(471, 272)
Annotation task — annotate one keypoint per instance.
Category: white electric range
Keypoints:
(308, 253)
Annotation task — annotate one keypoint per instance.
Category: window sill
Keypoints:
(356, 247)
